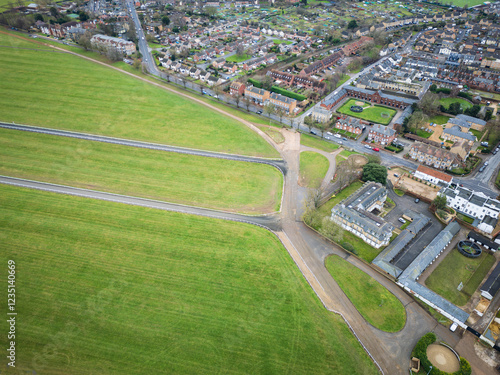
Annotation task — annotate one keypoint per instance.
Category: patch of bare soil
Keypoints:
(443, 358)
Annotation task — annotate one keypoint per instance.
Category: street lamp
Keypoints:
(429, 370)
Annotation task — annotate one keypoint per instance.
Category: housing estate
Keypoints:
(473, 204)
(355, 214)
(123, 46)
(439, 158)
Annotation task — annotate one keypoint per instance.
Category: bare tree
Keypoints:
(237, 99)
(331, 230)
(218, 92)
(247, 102)
(347, 172)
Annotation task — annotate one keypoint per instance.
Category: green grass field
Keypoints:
(439, 119)
(313, 168)
(106, 288)
(320, 144)
(456, 268)
(373, 114)
(165, 176)
(64, 91)
(5, 4)
(462, 3)
(326, 209)
(238, 59)
(464, 104)
(378, 306)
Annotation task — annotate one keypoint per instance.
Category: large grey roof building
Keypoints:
(355, 215)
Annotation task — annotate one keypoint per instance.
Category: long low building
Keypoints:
(432, 175)
(123, 46)
(408, 278)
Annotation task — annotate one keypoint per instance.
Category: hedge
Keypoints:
(395, 149)
(443, 90)
(465, 95)
(254, 82)
(420, 352)
(287, 93)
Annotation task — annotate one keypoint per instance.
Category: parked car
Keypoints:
(417, 200)
(376, 149)
(344, 138)
(368, 146)
(482, 168)
(337, 135)
(259, 112)
(396, 175)
(329, 133)
(313, 132)
(486, 163)
(401, 220)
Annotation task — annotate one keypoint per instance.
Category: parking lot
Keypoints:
(403, 204)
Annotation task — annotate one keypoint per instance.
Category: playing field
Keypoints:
(313, 167)
(377, 114)
(59, 90)
(165, 176)
(378, 306)
(104, 288)
(456, 269)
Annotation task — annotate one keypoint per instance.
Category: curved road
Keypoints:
(277, 163)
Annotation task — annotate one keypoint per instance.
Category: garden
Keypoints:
(377, 114)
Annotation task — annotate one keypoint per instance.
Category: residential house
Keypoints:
(473, 204)
(454, 134)
(237, 88)
(319, 114)
(350, 124)
(282, 102)
(439, 158)
(123, 46)
(259, 96)
(381, 134)
(432, 175)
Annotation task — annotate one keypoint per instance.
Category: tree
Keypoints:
(430, 104)
(433, 88)
(417, 120)
(84, 40)
(322, 127)
(352, 24)
(211, 11)
(280, 112)
(218, 92)
(38, 17)
(347, 172)
(454, 109)
(247, 101)
(269, 110)
(237, 99)
(375, 172)
(240, 49)
(165, 21)
(267, 82)
(439, 202)
(331, 230)
(54, 12)
(83, 16)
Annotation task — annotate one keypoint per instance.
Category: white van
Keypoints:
(337, 135)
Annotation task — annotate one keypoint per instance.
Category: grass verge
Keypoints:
(320, 144)
(63, 91)
(456, 269)
(165, 176)
(375, 303)
(108, 288)
(313, 168)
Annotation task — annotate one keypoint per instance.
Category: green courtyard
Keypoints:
(376, 113)
(456, 269)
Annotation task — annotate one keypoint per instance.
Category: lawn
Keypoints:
(371, 113)
(318, 143)
(423, 133)
(456, 268)
(375, 303)
(477, 133)
(165, 176)
(238, 59)
(326, 209)
(313, 168)
(279, 41)
(63, 91)
(343, 155)
(439, 119)
(462, 3)
(106, 288)
(273, 133)
(4, 4)
(464, 104)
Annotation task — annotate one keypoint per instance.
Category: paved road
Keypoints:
(271, 222)
(277, 163)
